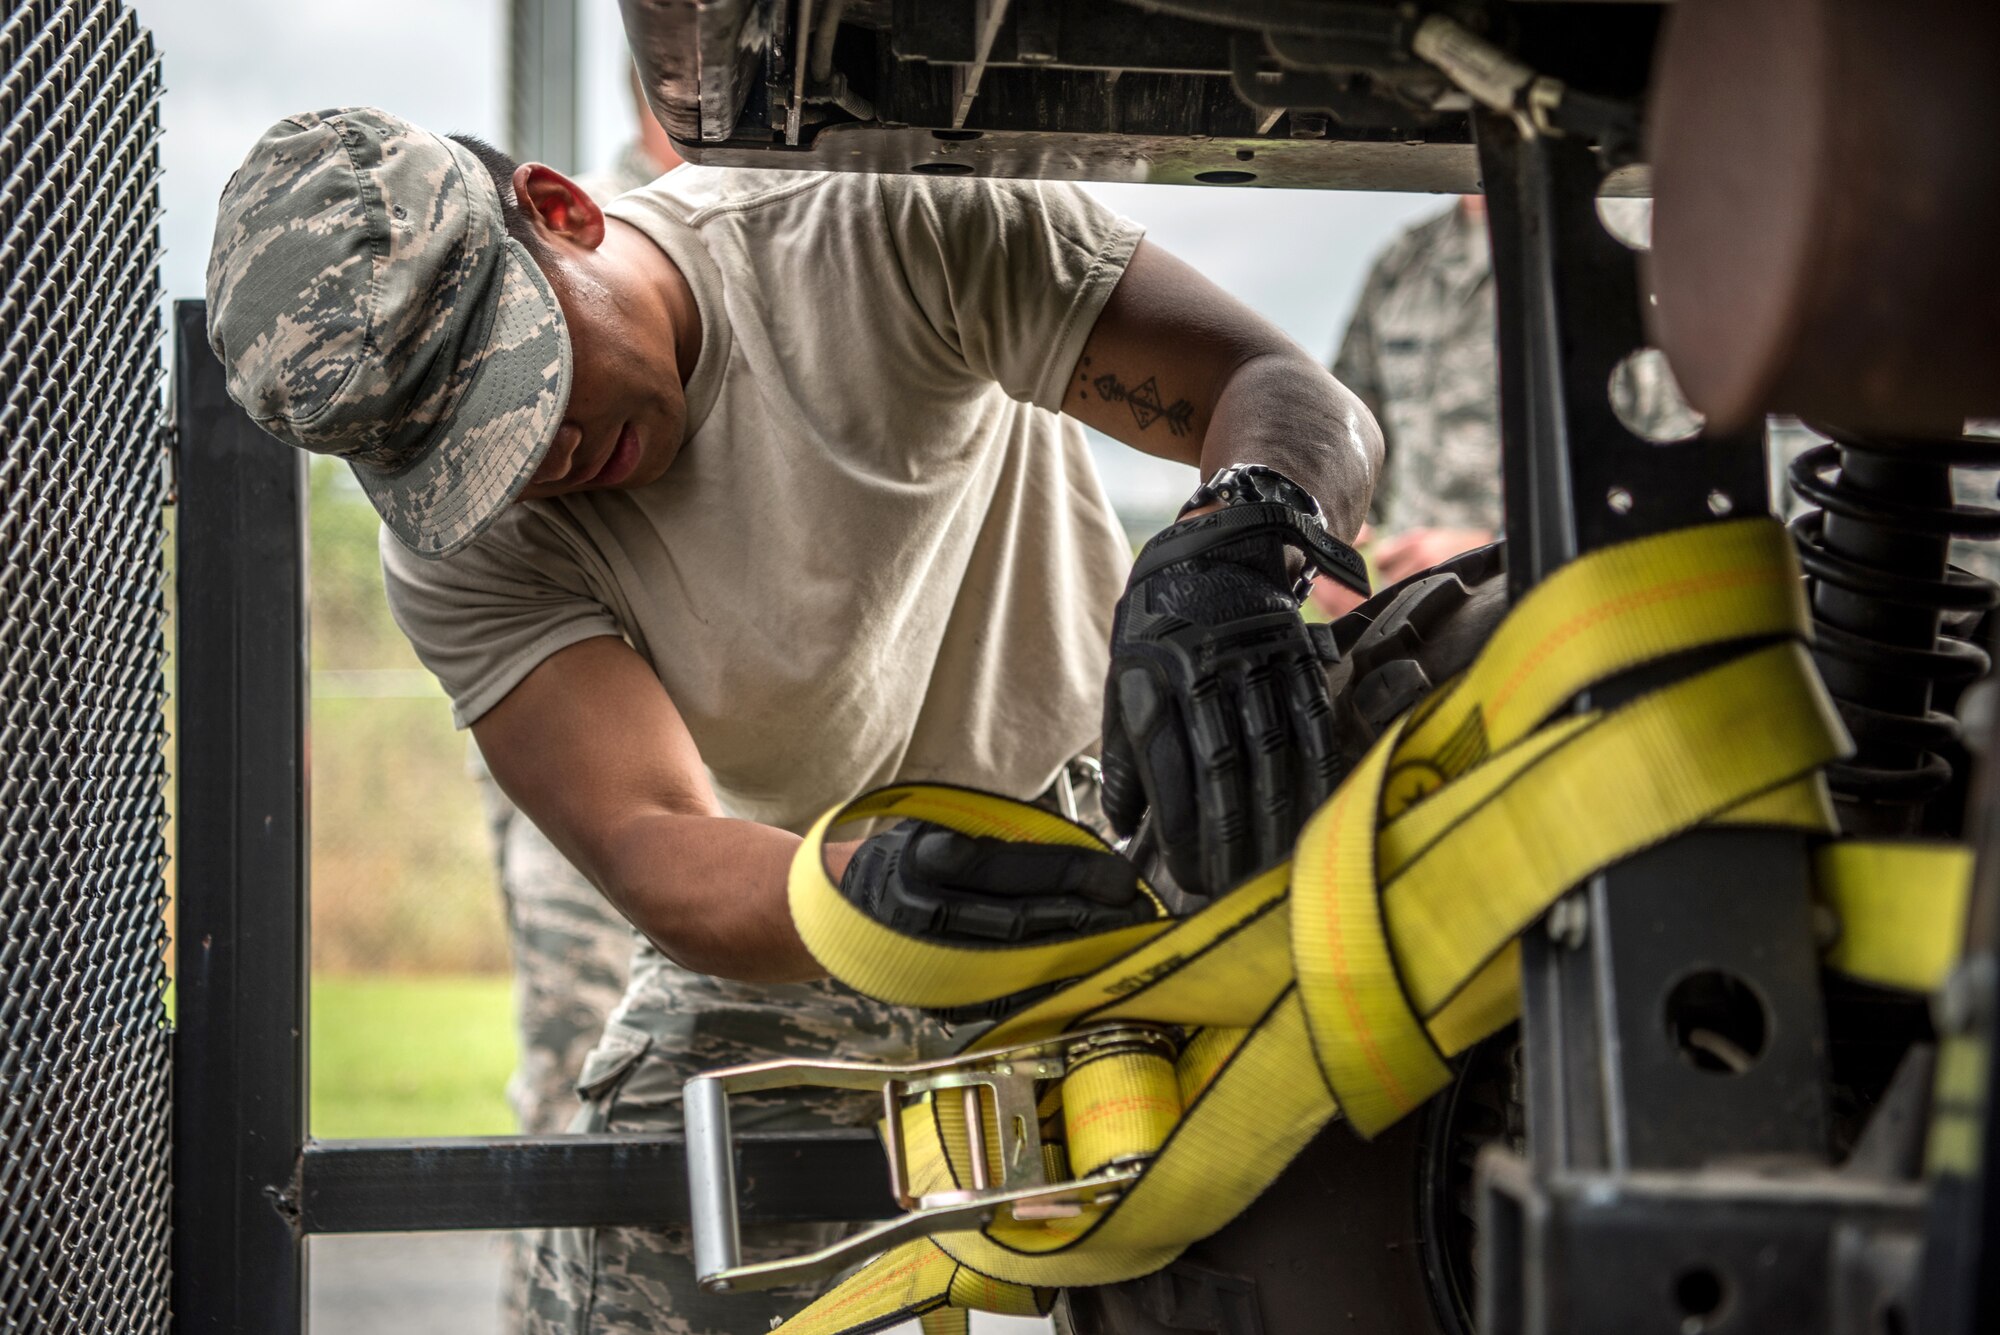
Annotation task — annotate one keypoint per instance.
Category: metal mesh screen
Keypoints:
(83, 1047)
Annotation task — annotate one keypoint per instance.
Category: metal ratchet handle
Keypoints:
(1010, 1074)
(960, 1216)
(711, 1161)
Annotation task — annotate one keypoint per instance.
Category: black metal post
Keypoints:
(1960, 1288)
(1733, 904)
(1671, 1014)
(240, 1054)
(383, 1186)
(249, 1185)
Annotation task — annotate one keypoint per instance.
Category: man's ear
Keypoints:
(557, 206)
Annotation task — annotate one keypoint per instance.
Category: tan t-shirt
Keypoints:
(881, 555)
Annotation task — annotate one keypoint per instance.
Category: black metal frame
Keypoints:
(1960, 1282)
(1620, 1216)
(250, 1183)
(241, 842)
(1578, 479)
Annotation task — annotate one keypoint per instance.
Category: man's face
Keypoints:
(626, 410)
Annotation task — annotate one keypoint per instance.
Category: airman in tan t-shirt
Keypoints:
(753, 490)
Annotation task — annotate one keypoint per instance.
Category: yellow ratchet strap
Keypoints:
(1340, 983)
(1898, 908)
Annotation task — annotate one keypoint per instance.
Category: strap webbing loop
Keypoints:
(1389, 942)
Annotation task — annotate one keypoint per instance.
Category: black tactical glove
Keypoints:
(928, 881)
(1216, 714)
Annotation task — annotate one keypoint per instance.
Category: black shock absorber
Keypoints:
(1886, 606)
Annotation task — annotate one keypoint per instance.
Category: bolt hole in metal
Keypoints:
(1717, 1022)
(1225, 177)
(1648, 400)
(1702, 1295)
(1630, 221)
(943, 168)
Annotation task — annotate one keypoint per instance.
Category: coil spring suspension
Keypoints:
(1886, 606)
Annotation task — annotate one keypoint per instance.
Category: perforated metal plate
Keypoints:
(83, 1042)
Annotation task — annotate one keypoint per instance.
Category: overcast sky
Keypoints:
(235, 66)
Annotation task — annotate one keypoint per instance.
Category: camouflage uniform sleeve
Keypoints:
(1355, 366)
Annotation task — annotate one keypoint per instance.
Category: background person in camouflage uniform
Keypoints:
(572, 957)
(1420, 351)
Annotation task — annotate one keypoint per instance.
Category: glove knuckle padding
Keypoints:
(1268, 739)
(1124, 797)
(1209, 724)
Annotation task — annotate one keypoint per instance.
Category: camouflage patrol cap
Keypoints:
(367, 302)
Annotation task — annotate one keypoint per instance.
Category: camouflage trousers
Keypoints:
(572, 955)
(574, 963)
(672, 1025)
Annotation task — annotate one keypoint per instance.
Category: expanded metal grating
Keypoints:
(83, 1043)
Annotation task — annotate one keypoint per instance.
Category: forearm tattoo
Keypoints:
(1148, 405)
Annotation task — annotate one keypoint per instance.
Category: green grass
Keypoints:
(411, 1056)
(402, 872)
